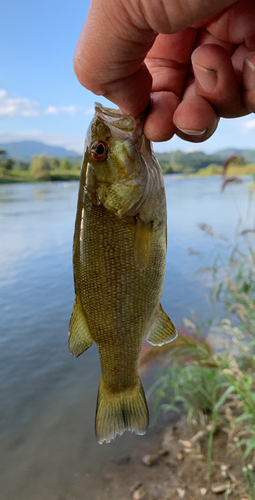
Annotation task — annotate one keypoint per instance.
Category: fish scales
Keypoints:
(121, 306)
(119, 266)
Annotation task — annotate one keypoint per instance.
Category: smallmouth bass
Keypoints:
(119, 257)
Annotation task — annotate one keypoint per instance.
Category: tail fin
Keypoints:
(117, 412)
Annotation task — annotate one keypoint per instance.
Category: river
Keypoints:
(47, 397)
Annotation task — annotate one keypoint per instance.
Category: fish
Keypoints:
(119, 259)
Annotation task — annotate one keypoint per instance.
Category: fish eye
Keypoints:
(99, 150)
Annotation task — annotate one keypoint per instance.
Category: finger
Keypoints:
(131, 94)
(195, 119)
(159, 122)
(205, 38)
(168, 62)
(249, 82)
(237, 59)
(170, 16)
(216, 81)
(115, 40)
(109, 57)
(169, 59)
(236, 24)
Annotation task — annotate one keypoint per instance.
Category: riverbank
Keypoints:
(168, 463)
(232, 171)
(16, 175)
(172, 467)
(48, 446)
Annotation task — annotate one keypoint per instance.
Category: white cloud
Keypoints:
(249, 126)
(25, 107)
(74, 143)
(89, 111)
(56, 110)
(70, 110)
(193, 149)
(16, 106)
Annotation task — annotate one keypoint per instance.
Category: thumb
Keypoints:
(118, 34)
(109, 56)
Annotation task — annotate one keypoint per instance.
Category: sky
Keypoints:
(40, 97)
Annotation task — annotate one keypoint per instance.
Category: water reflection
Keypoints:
(48, 398)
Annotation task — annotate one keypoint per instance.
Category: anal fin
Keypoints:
(162, 330)
(79, 336)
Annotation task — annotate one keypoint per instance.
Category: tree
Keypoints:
(3, 153)
(55, 163)
(65, 164)
(8, 164)
(40, 168)
(5, 163)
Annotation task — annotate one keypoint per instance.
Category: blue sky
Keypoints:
(40, 97)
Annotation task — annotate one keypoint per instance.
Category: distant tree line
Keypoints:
(5, 162)
(188, 163)
(40, 168)
(43, 168)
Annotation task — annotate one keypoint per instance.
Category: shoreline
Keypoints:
(75, 176)
(169, 463)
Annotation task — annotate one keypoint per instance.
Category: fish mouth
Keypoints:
(121, 121)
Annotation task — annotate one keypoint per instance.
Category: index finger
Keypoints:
(169, 60)
(117, 35)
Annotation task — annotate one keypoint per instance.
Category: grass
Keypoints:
(214, 384)
(65, 175)
(18, 175)
(233, 170)
(73, 173)
(15, 175)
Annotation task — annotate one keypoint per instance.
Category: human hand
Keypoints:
(193, 61)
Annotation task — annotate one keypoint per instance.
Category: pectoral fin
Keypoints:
(163, 330)
(142, 244)
(119, 198)
(79, 337)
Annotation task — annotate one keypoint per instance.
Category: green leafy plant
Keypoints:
(212, 384)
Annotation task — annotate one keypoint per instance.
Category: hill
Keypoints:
(171, 162)
(188, 163)
(24, 150)
(65, 165)
(179, 162)
(248, 154)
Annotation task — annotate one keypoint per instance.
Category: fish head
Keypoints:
(114, 160)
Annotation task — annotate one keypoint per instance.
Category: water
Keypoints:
(47, 398)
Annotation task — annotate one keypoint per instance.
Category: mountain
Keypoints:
(27, 149)
(177, 161)
(191, 162)
(248, 154)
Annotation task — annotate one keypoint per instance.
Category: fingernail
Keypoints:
(207, 78)
(192, 132)
(249, 75)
